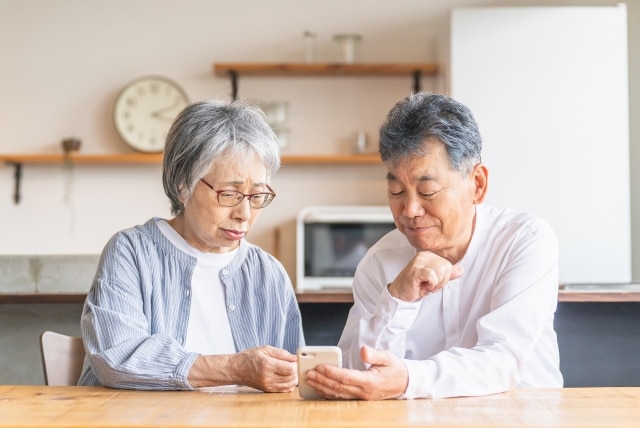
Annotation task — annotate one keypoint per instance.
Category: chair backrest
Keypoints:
(62, 358)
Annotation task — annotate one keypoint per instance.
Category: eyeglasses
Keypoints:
(231, 198)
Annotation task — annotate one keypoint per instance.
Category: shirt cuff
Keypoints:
(396, 313)
(420, 378)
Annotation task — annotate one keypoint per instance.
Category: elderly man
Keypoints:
(459, 300)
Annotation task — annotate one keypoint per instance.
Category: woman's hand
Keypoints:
(265, 368)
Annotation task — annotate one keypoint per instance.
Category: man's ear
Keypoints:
(480, 176)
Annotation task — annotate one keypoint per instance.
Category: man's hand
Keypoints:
(386, 378)
(265, 368)
(426, 273)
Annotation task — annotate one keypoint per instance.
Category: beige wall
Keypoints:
(63, 62)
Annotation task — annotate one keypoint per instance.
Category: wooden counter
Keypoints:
(50, 406)
(572, 293)
(599, 293)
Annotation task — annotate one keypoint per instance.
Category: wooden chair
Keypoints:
(62, 358)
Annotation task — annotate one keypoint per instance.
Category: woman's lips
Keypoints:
(234, 234)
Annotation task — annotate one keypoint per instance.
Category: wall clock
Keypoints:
(145, 109)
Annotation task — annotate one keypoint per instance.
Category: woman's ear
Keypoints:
(480, 175)
(183, 194)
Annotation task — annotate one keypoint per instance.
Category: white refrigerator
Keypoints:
(549, 89)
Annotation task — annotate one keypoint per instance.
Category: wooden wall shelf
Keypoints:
(317, 69)
(369, 158)
(144, 158)
(81, 158)
(17, 160)
(325, 69)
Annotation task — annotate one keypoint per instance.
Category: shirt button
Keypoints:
(187, 293)
(225, 272)
(232, 307)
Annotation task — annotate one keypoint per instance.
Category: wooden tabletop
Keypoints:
(51, 406)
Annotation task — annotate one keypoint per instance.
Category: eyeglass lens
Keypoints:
(232, 198)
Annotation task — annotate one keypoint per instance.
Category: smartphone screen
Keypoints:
(308, 358)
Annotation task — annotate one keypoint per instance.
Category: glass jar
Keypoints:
(347, 45)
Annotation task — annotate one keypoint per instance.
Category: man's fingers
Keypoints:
(334, 382)
(374, 357)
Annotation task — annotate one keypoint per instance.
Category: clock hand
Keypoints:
(159, 116)
(158, 113)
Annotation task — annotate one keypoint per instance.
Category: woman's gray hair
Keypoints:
(422, 116)
(205, 132)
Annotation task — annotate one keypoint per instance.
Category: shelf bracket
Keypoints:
(233, 74)
(416, 81)
(17, 175)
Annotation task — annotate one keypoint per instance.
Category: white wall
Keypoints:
(62, 64)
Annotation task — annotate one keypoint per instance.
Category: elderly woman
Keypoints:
(188, 302)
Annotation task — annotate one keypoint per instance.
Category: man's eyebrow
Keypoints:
(390, 176)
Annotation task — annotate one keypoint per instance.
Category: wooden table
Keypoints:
(51, 406)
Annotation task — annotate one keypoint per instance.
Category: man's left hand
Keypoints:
(386, 378)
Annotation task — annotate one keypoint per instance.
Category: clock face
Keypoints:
(145, 110)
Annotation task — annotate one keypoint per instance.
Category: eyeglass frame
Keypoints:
(244, 196)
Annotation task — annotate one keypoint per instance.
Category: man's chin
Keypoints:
(420, 243)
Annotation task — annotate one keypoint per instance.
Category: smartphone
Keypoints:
(308, 358)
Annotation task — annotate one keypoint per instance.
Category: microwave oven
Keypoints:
(331, 241)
